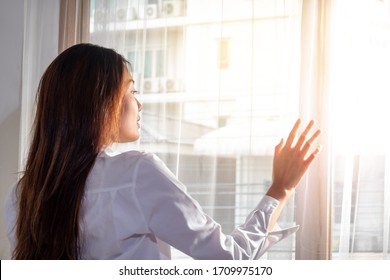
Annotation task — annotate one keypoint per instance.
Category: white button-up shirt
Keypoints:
(134, 208)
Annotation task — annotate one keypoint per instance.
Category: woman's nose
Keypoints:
(139, 105)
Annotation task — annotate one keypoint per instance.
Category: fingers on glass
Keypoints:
(293, 133)
(302, 139)
(313, 155)
(304, 142)
(306, 145)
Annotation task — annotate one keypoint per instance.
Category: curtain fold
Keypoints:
(386, 216)
(74, 23)
(313, 198)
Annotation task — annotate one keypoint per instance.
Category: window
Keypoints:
(361, 49)
(217, 88)
(222, 81)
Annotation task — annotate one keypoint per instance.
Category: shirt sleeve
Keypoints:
(10, 212)
(177, 219)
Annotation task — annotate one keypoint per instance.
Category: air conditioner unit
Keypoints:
(123, 12)
(150, 86)
(172, 8)
(169, 85)
(121, 15)
(124, 15)
(151, 11)
(99, 16)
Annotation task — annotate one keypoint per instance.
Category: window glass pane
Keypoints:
(220, 84)
(360, 84)
(149, 64)
(160, 63)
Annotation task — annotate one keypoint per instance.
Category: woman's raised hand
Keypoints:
(292, 158)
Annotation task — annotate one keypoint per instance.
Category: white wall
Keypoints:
(28, 43)
(11, 50)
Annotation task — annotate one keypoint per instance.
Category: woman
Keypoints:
(78, 201)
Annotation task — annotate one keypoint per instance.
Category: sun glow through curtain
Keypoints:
(361, 135)
(222, 80)
(344, 202)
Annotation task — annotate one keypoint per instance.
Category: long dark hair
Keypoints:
(78, 107)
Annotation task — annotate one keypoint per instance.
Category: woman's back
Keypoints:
(112, 222)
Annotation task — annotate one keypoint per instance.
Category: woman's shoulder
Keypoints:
(144, 160)
(127, 156)
(117, 170)
(142, 163)
(118, 162)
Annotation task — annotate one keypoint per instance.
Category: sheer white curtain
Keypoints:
(343, 204)
(40, 45)
(360, 114)
(49, 28)
(313, 197)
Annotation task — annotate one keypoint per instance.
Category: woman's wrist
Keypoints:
(279, 192)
